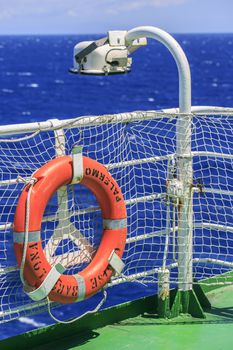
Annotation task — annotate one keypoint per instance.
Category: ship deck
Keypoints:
(112, 329)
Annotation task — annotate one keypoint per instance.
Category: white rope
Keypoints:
(174, 208)
(96, 309)
(168, 230)
(31, 182)
(70, 123)
(128, 279)
(21, 138)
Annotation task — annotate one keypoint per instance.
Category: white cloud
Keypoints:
(75, 8)
(162, 3)
(14, 8)
(139, 4)
(72, 13)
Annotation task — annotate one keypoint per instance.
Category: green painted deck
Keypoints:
(142, 331)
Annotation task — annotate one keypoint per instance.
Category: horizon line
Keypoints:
(103, 33)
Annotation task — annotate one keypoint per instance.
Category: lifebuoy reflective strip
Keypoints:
(50, 178)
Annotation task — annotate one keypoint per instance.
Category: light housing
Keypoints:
(105, 56)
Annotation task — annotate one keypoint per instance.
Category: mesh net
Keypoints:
(213, 216)
(140, 153)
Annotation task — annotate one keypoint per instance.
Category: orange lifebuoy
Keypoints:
(50, 178)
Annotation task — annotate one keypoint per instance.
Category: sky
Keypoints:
(99, 16)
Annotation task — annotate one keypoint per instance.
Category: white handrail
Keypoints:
(14, 129)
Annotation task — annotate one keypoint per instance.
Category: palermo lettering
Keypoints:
(115, 192)
(95, 172)
(88, 171)
(102, 176)
(107, 180)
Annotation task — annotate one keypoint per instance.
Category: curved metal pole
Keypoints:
(183, 153)
(179, 56)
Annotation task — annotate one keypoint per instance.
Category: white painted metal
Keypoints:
(203, 110)
(183, 144)
(216, 191)
(135, 162)
(65, 227)
(84, 121)
(99, 60)
(166, 245)
(117, 37)
(179, 56)
(139, 161)
(79, 122)
(133, 277)
(214, 226)
(77, 159)
(148, 235)
(212, 154)
(213, 261)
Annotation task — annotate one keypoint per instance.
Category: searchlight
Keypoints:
(109, 55)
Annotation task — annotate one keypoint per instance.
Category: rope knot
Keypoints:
(32, 181)
(28, 181)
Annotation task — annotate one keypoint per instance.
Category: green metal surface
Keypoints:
(142, 329)
(143, 334)
(193, 302)
(82, 327)
(201, 295)
(164, 307)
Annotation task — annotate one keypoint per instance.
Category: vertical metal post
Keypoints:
(65, 229)
(60, 150)
(62, 197)
(164, 293)
(183, 145)
(185, 208)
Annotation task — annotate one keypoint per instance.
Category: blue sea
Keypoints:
(35, 86)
